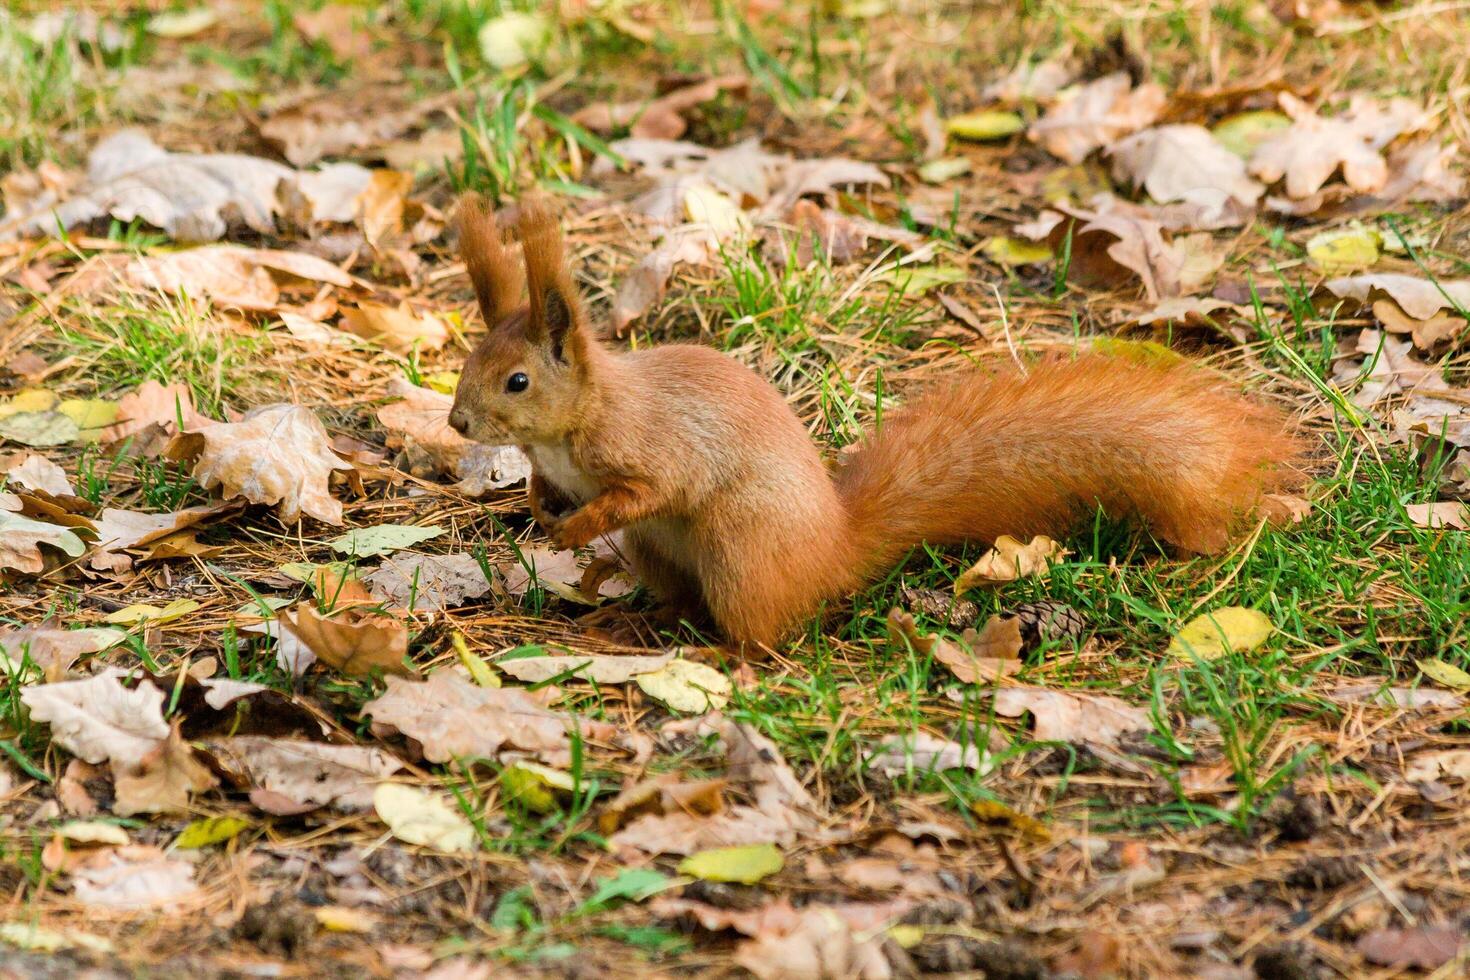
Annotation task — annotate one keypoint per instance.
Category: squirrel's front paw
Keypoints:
(572, 531)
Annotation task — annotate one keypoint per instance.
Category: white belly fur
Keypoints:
(554, 465)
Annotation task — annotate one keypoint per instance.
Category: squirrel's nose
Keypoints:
(459, 419)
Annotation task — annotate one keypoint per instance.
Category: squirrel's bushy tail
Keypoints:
(984, 454)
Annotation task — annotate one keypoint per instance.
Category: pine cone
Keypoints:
(1048, 619)
(942, 607)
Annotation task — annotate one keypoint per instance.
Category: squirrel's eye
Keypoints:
(517, 382)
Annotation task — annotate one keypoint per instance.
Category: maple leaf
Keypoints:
(1095, 115)
(276, 454)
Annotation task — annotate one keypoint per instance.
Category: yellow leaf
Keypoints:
(94, 832)
(398, 328)
(29, 400)
(443, 382)
(535, 786)
(1444, 673)
(1140, 351)
(142, 612)
(213, 830)
(915, 280)
(1009, 560)
(1244, 131)
(423, 818)
(997, 815)
(946, 168)
(1231, 629)
(706, 206)
(480, 672)
(993, 124)
(1345, 250)
(338, 918)
(906, 936)
(89, 414)
(743, 865)
(687, 686)
(1016, 251)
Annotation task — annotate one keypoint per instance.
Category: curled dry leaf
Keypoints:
(99, 719)
(1417, 296)
(53, 650)
(452, 718)
(295, 776)
(352, 641)
(426, 582)
(21, 539)
(1109, 245)
(397, 328)
(153, 406)
(33, 471)
(1096, 114)
(276, 454)
(190, 196)
(1008, 560)
(163, 780)
(989, 655)
(1427, 334)
(231, 275)
(419, 422)
(1441, 514)
(124, 530)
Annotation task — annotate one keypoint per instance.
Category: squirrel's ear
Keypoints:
(491, 266)
(556, 313)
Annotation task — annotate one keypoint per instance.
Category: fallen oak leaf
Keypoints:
(276, 454)
(992, 654)
(1065, 717)
(163, 780)
(51, 649)
(397, 328)
(352, 641)
(599, 669)
(154, 405)
(660, 118)
(1188, 164)
(1009, 559)
(35, 472)
(1314, 147)
(424, 582)
(125, 530)
(99, 719)
(1095, 115)
(419, 421)
(304, 775)
(1427, 947)
(21, 539)
(134, 877)
(231, 275)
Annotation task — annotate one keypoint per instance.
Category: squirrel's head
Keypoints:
(526, 381)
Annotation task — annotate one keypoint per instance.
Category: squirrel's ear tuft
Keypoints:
(556, 313)
(491, 265)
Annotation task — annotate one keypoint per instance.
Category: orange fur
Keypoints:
(726, 505)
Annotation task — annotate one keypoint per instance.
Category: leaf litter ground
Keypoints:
(292, 685)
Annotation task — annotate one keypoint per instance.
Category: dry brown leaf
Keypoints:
(190, 196)
(419, 422)
(154, 406)
(1444, 513)
(1392, 371)
(1427, 947)
(1187, 164)
(231, 275)
(352, 641)
(310, 128)
(1009, 560)
(660, 118)
(304, 775)
(990, 655)
(53, 650)
(124, 530)
(33, 471)
(1380, 692)
(163, 780)
(1314, 147)
(397, 328)
(134, 877)
(665, 793)
(922, 753)
(1071, 717)
(275, 454)
(452, 718)
(21, 539)
(427, 582)
(1427, 334)
(98, 719)
(1418, 297)
(1109, 245)
(341, 27)
(1096, 114)
(601, 669)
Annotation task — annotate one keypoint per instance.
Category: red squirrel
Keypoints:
(727, 506)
